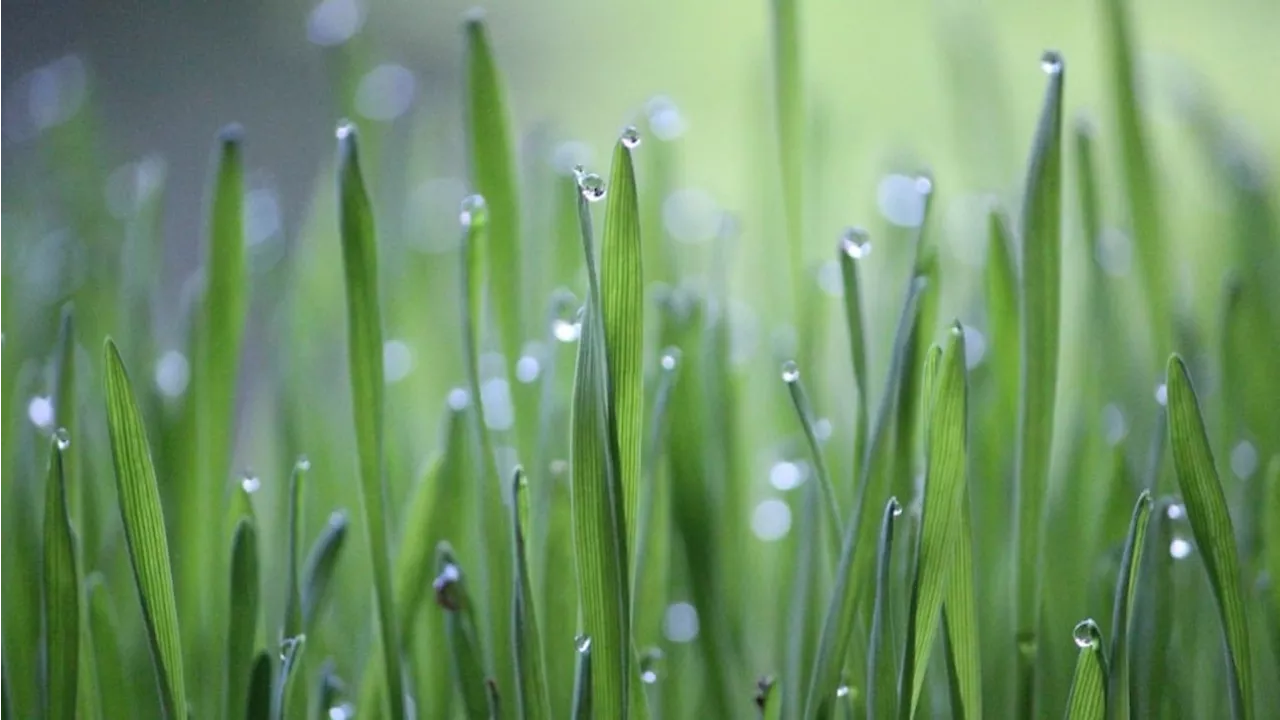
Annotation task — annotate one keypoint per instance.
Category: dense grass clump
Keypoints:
(533, 485)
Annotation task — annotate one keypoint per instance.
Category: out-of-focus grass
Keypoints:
(675, 508)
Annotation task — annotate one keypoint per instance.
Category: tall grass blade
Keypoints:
(317, 572)
(115, 700)
(531, 680)
(293, 591)
(1088, 698)
(1271, 526)
(1118, 678)
(622, 303)
(144, 530)
(944, 497)
(788, 90)
(804, 412)
(463, 634)
(364, 348)
(853, 571)
(583, 707)
(259, 703)
(599, 526)
(285, 694)
(882, 661)
(1041, 238)
(854, 245)
(65, 418)
(1210, 520)
(61, 591)
(242, 630)
(960, 622)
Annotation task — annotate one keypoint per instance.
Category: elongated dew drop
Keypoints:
(1087, 634)
(842, 691)
(63, 437)
(1051, 62)
(790, 372)
(855, 242)
(649, 661)
(631, 137)
(474, 211)
(566, 322)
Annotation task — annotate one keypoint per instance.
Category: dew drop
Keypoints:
(855, 242)
(680, 622)
(896, 507)
(649, 660)
(670, 358)
(1051, 62)
(648, 677)
(1179, 548)
(582, 643)
(1086, 634)
(566, 331)
(302, 464)
(1162, 394)
(63, 438)
(445, 586)
(631, 137)
(250, 482)
(346, 129)
(474, 211)
(790, 372)
(592, 186)
(842, 691)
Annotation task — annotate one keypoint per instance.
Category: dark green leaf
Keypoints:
(463, 634)
(882, 661)
(1122, 610)
(317, 573)
(61, 592)
(242, 615)
(259, 703)
(531, 680)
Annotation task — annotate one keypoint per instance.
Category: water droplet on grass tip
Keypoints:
(592, 186)
(1179, 548)
(649, 660)
(1086, 634)
(790, 372)
(445, 586)
(289, 646)
(303, 463)
(895, 507)
(842, 691)
(250, 482)
(345, 129)
(63, 438)
(582, 643)
(1051, 62)
(631, 137)
(855, 242)
(1162, 394)
(474, 211)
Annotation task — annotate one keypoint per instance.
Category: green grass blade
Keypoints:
(259, 703)
(463, 634)
(143, 521)
(64, 415)
(804, 412)
(291, 650)
(882, 661)
(599, 529)
(364, 347)
(1088, 699)
(293, 594)
(1041, 238)
(1211, 524)
(788, 89)
(853, 572)
(944, 496)
(493, 175)
(855, 245)
(317, 572)
(960, 623)
(1118, 678)
(1271, 525)
(1138, 173)
(61, 591)
(242, 616)
(116, 702)
(583, 708)
(531, 680)
(1001, 282)
(769, 699)
(622, 303)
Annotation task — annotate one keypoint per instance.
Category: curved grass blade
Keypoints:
(317, 573)
(1118, 678)
(463, 634)
(583, 707)
(61, 591)
(944, 495)
(531, 680)
(1040, 287)
(622, 303)
(854, 245)
(285, 695)
(882, 663)
(960, 623)
(800, 400)
(259, 703)
(599, 526)
(769, 699)
(364, 347)
(1088, 699)
(852, 572)
(1139, 179)
(242, 615)
(293, 594)
(1211, 524)
(493, 175)
(116, 701)
(64, 415)
(143, 521)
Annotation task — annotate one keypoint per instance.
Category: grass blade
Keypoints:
(1271, 525)
(852, 572)
(1118, 678)
(854, 245)
(463, 634)
(115, 700)
(583, 708)
(1040, 299)
(599, 527)
(282, 702)
(799, 399)
(960, 622)
(531, 680)
(1211, 524)
(1088, 699)
(493, 175)
(317, 573)
(882, 663)
(293, 594)
(259, 704)
(364, 347)
(769, 699)
(143, 521)
(944, 495)
(622, 303)
(61, 591)
(788, 100)
(242, 615)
